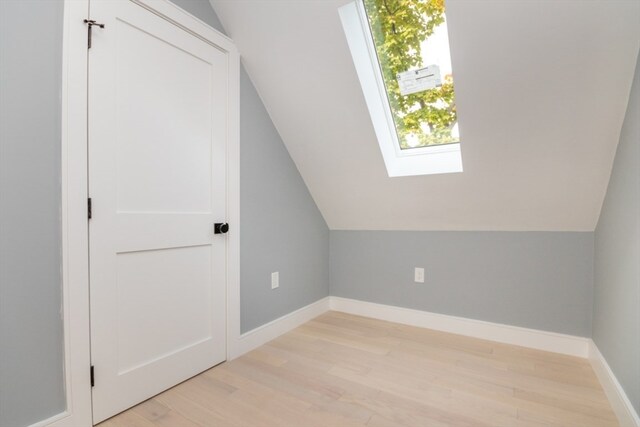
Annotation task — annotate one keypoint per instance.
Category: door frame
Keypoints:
(74, 183)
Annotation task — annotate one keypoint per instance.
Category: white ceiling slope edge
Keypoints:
(542, 88)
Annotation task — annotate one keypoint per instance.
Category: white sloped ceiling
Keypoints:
(542, 87)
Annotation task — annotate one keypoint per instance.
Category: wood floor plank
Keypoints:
(351, 371)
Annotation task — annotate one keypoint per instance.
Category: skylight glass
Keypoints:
(412, 46)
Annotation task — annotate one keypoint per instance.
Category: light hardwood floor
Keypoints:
(344, 370)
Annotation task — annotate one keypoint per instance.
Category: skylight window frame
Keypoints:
(435, 159)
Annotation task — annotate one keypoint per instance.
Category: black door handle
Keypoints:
(220, 228)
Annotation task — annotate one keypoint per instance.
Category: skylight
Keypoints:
(401, 52)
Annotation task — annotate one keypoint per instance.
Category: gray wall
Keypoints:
(31, 370)
(536, 280)
(282, 228)
(616, 309)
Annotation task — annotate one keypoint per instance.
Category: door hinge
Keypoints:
(93, 378)
(90, 23)
(89, 210)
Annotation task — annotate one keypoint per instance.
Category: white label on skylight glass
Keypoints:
(414, 81)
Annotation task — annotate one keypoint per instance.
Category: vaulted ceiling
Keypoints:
(541, 86)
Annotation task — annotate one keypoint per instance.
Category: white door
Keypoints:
(157, 165)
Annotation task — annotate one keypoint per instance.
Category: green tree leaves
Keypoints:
(399, 28)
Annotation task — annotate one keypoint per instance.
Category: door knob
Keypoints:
(220, 228)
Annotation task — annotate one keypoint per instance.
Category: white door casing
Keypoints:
(158, 136)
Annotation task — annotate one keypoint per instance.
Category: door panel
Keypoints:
(178, 180)
(157, 170)
(146, 286)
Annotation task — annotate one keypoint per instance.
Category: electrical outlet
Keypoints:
(419, 275)
(275, 280)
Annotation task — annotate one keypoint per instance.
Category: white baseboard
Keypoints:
(620, 403)
(58, 420)
(532, 338)
(269, 331)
